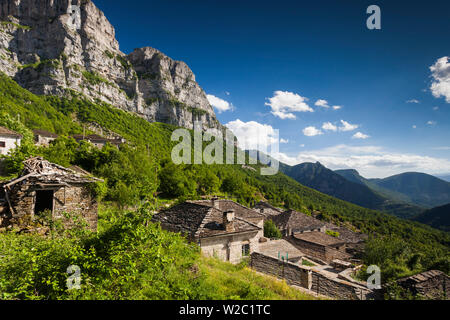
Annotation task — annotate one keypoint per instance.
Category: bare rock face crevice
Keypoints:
(49, 49)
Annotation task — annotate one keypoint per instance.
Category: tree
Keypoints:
(271, 231)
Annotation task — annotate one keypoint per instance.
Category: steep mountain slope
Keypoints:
(422, 189)
(50, 47)
(354, 176)
(316, 176)
(351, 189)
(444, 177)
(438, 217)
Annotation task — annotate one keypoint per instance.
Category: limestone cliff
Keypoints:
(50, 46)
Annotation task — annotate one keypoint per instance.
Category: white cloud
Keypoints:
(414, 126)
(440, 71)
(328, 126)
(219, 104)
(441, 148)
(284, 140)
(435, 108)
(253, 135)
(347, 126)
(312, 131)
(227, 93)
(431, 123)
(371, 161)
(322, 103)
(413, 101)
(360, 135)
(284, 104)
(337, 107)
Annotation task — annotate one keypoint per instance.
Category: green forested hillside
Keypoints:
(438, 217)
(348, 188)
(141, 171)
(422, 189)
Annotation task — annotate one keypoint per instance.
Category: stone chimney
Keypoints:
(215, 202)
(228, 220)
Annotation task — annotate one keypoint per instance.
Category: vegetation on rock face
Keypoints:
(134, 174)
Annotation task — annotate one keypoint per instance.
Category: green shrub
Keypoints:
(271, 231)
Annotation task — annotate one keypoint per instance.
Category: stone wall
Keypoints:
(74, 199)
(229, 247)
(310, 279)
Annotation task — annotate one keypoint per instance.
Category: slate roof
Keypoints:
(319, 238)
(272, 210)
(5, 132)
(421, 277)
(296, 221)
(44, 133)
(199, 221)
(273, 247)
(346, 234)
(240, 210)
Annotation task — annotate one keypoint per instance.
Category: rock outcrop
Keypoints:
(53, 46)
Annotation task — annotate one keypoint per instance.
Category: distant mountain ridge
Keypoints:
(421, 189)
(352, 188)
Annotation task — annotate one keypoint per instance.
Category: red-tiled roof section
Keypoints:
(5, 132)
(197, 220)
(296, 221)
(320, 238)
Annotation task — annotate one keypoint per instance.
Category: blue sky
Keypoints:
(243, 52)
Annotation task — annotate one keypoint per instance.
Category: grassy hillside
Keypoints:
(141, 171)
(130, 258)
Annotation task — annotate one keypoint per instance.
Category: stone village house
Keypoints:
(46, 186)
(99, 141)
(308, 234)
(222, 228)
(8, 140)
(43, 138)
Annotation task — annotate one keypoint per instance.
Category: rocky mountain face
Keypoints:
(52, 47)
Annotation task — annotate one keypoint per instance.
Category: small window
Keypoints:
(2, 144)
(246, 250)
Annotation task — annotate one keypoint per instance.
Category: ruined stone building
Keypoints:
(433, 284)
(222, 229)
(8, 140)
(47, 187)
